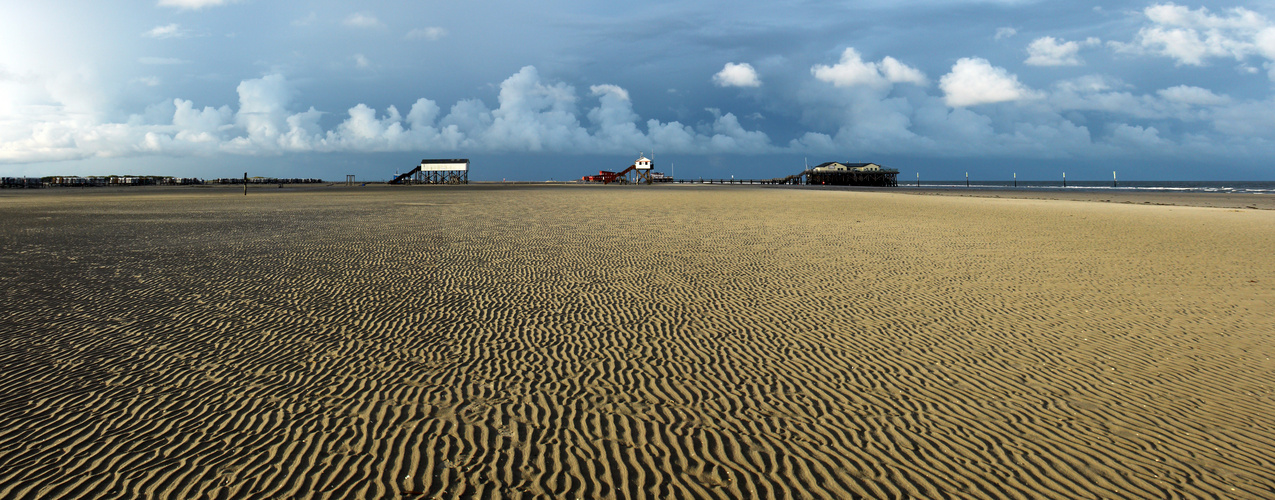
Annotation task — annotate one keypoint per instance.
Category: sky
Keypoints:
(557, 89)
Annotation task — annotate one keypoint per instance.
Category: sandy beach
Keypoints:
(1166, 198)
(631, 342)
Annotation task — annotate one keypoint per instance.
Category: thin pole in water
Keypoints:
(1015, 179)
(918, 179)
(1114, 181)
(967, 179)
(245, 183)
(1064, 179)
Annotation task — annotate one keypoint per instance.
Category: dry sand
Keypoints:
(615, 342)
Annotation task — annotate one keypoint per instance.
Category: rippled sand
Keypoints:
(621, 342)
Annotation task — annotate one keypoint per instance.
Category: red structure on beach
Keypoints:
(640, 170)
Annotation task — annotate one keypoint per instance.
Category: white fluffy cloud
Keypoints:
(1192, 37)
(614, 122)
(852, 71)
(263, 107)
(1050, 51)
(361, 20)
(852, 105)
(975, 81)
(737, 75)
(1195, 96)
(1005, 32)
(166, 31)
(533, 115)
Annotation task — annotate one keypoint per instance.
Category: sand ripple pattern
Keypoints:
(710, 342)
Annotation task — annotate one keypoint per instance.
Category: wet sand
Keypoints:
(1171, 198)
(620, 342)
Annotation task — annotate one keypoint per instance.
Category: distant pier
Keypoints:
(826, 174)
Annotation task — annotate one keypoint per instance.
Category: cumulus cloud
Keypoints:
(917, 123)
(1196, 96)
(535, 116)
(1103, 94)
(1138, 137)
(1050, 51)
(428, 33)
(737, 75)
(1183, 104)
(1265, 42)
(615, 125)
(532, 115)
(192, 4)
(608, 90)
(263, 107)
(975, 81)
(1193, 36)
(852, 70)
(854, 105)
(361, 20)
(166, 31)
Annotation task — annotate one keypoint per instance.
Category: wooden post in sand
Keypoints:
(245, 183)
